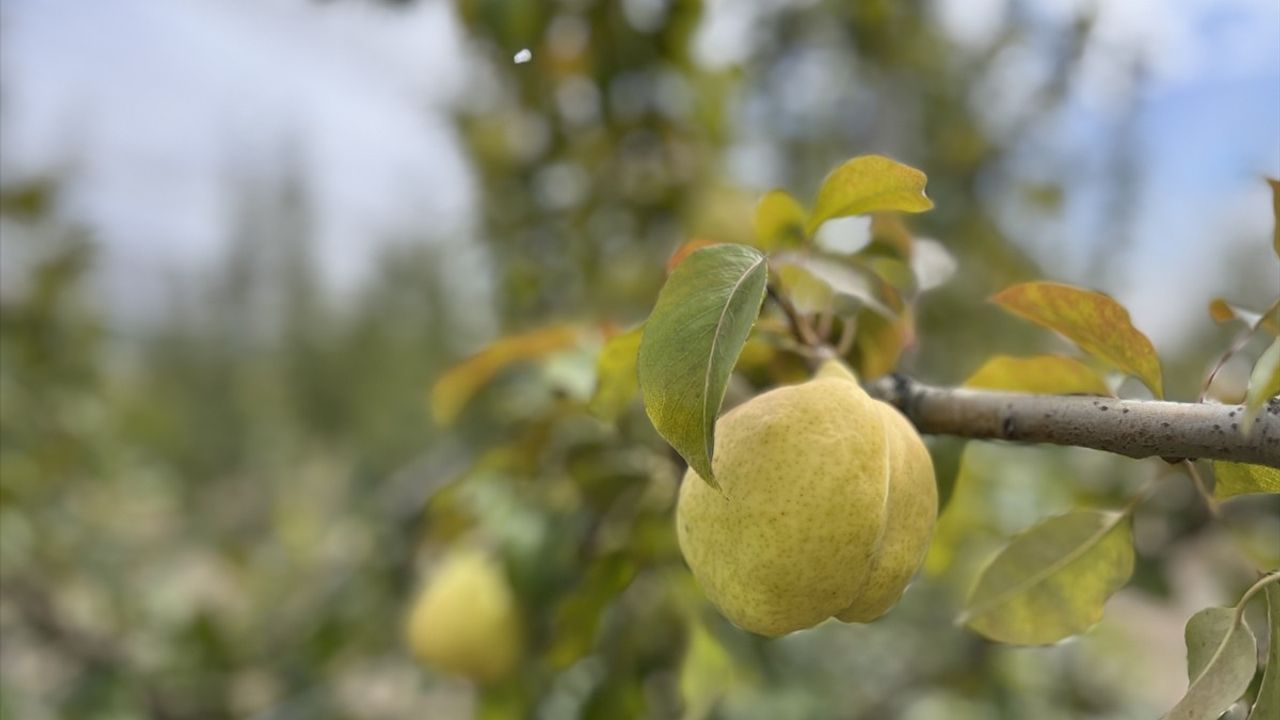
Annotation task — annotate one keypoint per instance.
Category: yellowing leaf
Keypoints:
(1264, 384)
(870, 183)
(1095, 322)
(691, 342)
(1268, 703)
(1042, 374)
(1231, 479)
(456, 387)
(1223, 312)
(1221, 658)
(779, 221)
(616, 381)
(881, 341)
(1051, 581)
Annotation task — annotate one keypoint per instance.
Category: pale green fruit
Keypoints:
(466, 620)
(826, 507)
(909, 520)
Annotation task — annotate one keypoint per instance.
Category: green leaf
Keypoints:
(1052, 580)
(616, 381)
(577, 618)
(1042, 374)
(1264, 384)
(706, 674)
(870, 183)
(1231, 479)
(1221, 657)
(1097, 323)
(1268, 703)
(779, 221)
(692, 341)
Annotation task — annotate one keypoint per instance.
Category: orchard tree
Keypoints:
(817, 498)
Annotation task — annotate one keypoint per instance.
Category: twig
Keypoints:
(1202, 489)
(799, 328)
(848, 333)
(1134, 428)
(1236, 346)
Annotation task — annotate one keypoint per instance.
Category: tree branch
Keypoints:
(1136, 428)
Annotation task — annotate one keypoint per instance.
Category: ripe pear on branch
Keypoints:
(465, 620)
(826, 507)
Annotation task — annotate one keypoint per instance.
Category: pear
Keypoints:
(465, 620)
(826, 506)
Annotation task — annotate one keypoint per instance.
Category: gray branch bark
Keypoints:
(1136, 428)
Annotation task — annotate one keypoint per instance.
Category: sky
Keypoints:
(163, 115)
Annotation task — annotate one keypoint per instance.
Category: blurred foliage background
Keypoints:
(227, 512)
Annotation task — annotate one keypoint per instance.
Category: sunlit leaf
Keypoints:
(691, 342)
(1268, 703)
(1095, 322)
(616, 382)
(932, 264)
(1052, 580)
(460, 383)
(870, 183)
(807, 292)
(1221, 658)
(779, 221)
(1041, 374)
(1231, 479)
(1264, 384)
(857, 287)
(688, 248)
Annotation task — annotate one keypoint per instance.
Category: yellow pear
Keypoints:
(466, 620)
(826, 506)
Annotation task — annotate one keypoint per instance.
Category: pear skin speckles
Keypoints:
(826, 505)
